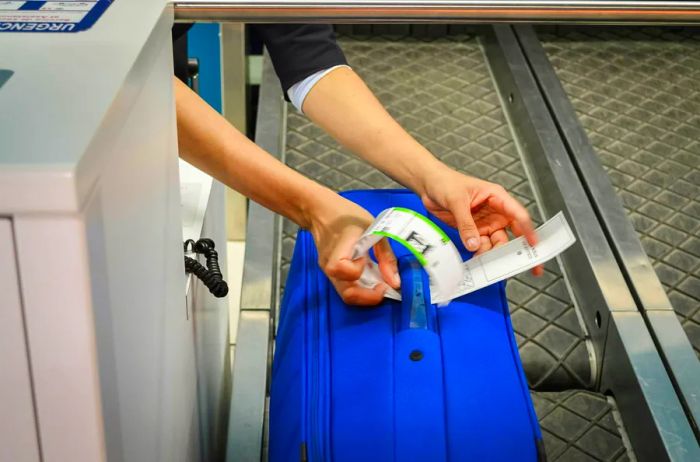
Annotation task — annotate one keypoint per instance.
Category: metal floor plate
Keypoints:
(637, 95)
(441, 91)
(579, 426)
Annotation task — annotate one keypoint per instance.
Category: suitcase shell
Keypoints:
(405, 381)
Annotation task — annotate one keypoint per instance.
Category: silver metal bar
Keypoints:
(234, 101)
(259, 280)
(674, 346)
(259, 293)
(629, 364)
(464, 11)
(635, 374)
(595, 284)
(233, 72)
(245, 428)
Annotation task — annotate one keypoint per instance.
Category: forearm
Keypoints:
(342, 105)
(209, 142)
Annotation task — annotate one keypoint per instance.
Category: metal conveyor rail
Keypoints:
(465, 11)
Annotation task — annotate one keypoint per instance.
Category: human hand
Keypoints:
(481, 211)
(336, 226)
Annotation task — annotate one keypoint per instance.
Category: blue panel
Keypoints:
(203, 43)
(32, 6)
(46, 22)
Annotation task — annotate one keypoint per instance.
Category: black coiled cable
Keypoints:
(211, 275)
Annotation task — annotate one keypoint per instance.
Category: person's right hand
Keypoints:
(481, 211)
(336, 225)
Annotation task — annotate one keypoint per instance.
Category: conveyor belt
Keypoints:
(637, 94)
(579, 426)
(441, 91)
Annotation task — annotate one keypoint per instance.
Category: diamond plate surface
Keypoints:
(637, 94)
(579, 426)
(441, 92)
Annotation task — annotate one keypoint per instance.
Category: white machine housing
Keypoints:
(102, 355)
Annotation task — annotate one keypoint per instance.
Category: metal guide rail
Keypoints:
(259, 294)
(629, 118)
(631, 367)
(466, 11)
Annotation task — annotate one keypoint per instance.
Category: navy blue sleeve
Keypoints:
(179, 33)
(299, 50)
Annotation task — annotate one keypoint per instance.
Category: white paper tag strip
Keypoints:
(497, 264)
(430, 245)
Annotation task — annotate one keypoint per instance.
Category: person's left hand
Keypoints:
(481, 211)
(336, 225)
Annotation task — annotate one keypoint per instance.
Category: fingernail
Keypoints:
(397, 279)
(472, 243)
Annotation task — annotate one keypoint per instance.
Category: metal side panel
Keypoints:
(259, 295)
(19, 441)
(245, 431)
(642, 116)
(211, 335)
(631, 367)
(234, 101)
(60, 334)
(597, 282)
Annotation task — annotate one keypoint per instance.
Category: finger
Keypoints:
(431, 204)
(485, 245)
(345, 269)
(490, 223)
(465, 224)
(440, 212)
(340, 265)
(538, 270)
(499, 238)
(354, 294)
(507, 205)
(445, 217)
(387, 263)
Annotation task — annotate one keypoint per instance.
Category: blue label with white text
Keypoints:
(50, 16)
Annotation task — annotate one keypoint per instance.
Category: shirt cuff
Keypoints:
(297, 92)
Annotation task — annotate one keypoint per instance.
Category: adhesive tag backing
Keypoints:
(450, 278)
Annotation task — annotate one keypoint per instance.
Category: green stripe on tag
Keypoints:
(427, 220)
(419, 256)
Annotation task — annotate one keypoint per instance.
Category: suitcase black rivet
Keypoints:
(416, 355)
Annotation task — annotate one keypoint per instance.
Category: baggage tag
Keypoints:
(449, 276)
(517, 256)
(425, 240)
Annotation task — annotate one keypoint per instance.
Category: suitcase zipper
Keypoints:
(319, 377)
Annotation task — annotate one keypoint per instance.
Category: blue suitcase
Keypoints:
(405, 381)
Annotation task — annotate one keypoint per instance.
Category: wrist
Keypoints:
(430, 175)
(319, 202)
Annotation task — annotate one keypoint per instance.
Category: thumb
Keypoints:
(387, 263)
(344, 268)
(468, 231)
(340, 264)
